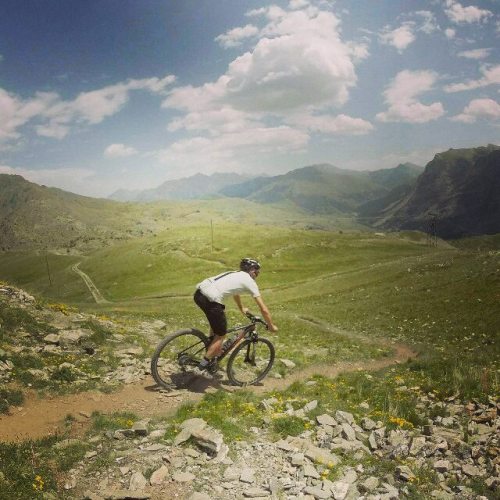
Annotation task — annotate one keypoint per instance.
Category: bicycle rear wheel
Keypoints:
(250, 362)
(175, 354)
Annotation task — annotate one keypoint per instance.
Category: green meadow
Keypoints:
(337, 296)
(334, 294)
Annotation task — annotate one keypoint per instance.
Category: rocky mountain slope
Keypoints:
(457, 192)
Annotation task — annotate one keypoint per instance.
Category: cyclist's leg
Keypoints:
(216, 317)
(218, 323)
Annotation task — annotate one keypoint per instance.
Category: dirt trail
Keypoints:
(42, 417)
(98, 297)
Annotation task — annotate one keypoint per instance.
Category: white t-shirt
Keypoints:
(217, 288)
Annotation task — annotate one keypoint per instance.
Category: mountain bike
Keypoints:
(250, 356)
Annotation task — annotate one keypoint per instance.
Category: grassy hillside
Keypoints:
(336, 298)
(368, 285)
(35, 217)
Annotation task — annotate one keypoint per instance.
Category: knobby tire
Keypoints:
(165, 366)
(241, 371)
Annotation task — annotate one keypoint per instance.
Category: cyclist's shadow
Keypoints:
(192, 382)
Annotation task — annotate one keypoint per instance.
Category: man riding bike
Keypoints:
(211, 293)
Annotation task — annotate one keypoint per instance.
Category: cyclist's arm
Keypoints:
(265, 312)
(237, 299)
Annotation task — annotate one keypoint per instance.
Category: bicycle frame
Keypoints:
(246, 332)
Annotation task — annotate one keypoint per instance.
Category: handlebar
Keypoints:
(255, 319)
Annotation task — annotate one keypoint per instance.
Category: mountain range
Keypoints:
(455, 195)
(190, 188)
(321, 188)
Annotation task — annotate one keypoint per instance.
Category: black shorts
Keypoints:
(214, 313)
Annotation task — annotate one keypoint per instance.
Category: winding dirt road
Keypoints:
(98, 297)
(42, 417)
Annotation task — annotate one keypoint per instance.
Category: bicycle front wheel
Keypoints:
(250, 362)
(174, 356)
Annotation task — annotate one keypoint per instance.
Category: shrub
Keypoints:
(288, 426)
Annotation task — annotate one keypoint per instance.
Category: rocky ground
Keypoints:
(335, 458)
(68, 346)
(338, 456)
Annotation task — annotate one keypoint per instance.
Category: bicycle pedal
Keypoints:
(212, 368)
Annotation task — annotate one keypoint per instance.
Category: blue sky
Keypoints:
(124, 94)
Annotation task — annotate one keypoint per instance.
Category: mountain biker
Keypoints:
(210, 295)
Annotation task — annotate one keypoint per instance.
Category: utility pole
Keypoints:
(431, 231)
(48, 269)
(212, 233)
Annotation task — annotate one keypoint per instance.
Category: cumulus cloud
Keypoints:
(450, 33)
(401, 98)
(119, 151)
(298, 4)
(400, 38)
(428, 24)
(491, 76)
(459, 14)
(475, 53)
(225, 151)
(234, 37)
(273, 97)
(477, 109)
(329, 124)
(54, 117)
(299, 61)
(16, 112)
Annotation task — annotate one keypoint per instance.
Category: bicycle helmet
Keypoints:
(248, 264)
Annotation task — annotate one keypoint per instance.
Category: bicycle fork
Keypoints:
(250, 354)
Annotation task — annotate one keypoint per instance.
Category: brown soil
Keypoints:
(42, 417)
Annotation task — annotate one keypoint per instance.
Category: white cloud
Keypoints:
(475, 53)
(450, 33)
(234, 37)
(459, 14)
(298, 67)
(228, 151)
(119, 151)
(401, 98)
(55, 117)
(272, 12)
(16, 112)
(400, 38)
(429, 24)
(328, 124)
(479, 108)
(298, 4)
(491, 76)
(299, 61)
